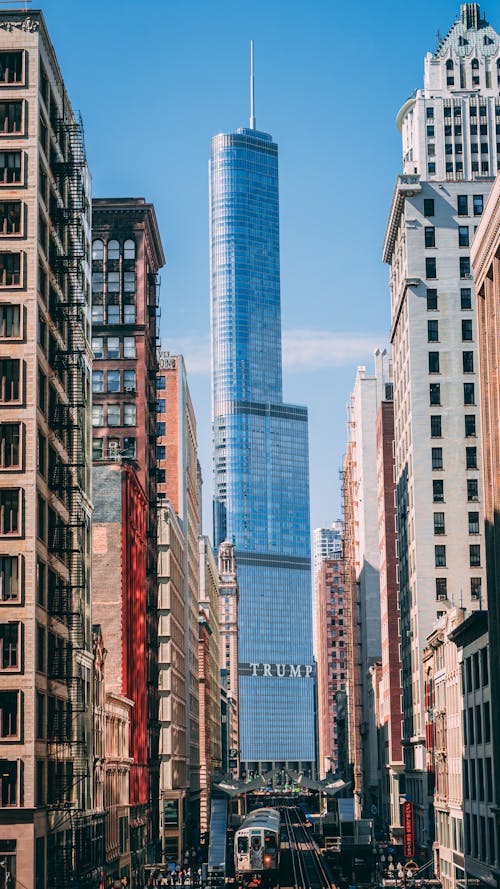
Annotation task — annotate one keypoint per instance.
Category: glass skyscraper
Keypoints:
(261, 474)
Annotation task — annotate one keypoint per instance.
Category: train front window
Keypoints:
(243, 845)
(256, 843)
(270, 840)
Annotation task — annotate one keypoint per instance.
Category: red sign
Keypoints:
(409, 830)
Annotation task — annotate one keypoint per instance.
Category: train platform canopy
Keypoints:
(329, 786)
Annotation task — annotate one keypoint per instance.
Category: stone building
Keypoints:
(331, 657)
(228, 629)
(209, 677)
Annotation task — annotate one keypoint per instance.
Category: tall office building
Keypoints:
(327, 543)
(261, 477)
(450, 152)
(50, 831)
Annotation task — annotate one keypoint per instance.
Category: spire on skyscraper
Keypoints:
(252, 90)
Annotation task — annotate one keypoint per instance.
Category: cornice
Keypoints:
(487, 236)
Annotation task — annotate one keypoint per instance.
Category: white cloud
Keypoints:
(303, 350)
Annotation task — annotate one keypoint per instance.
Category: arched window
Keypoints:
(113, 250)
(475, 64)
(98, 250)
(449, 65)
(129, 249)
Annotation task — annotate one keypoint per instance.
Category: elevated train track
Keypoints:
(307, 867)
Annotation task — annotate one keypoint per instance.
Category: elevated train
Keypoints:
(257, 848)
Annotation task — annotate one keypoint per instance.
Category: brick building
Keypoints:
(127, 255)
(390, 713)
(331, 648)
(50, 831)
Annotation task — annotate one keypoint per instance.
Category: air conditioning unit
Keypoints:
(130, 389)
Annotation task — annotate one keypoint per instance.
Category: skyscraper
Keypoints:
(261, 477)
(450, 153)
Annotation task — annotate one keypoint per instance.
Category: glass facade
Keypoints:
(261, 475)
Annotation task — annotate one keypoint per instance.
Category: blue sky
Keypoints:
(155, 81)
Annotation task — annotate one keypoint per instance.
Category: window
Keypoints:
(97, 313)
(475, 587)
(430, 267)
(10, 217)
(439, 523)
(40, 715)
(129, 249)
(129, 346)
(10, 587)
(129, 415)
(469, 397)
(97, 381)
(466, 329)
(98, 250)
(10, 321)
(113, 344)
(98, 347)
(161, 452)
(129, 446)
(11, 117)
(41, 517)
(478, 201)
(113, 282)
(9, 795)
(463, 204)
(113, 250)
(471, 458)
(113, 382)
(9, 646)
(465, 298)
(129, 282)
(113, 414)
(97, 448)
(161, 476)
(129, 313)
(160, 429)
(430, 236)
(129, 380)
(438, 490)
(97, 282)
(10, 168)
(430, 134)
(9, 715)
(472, 490)
(468, 362)
(440, 556)
(10, 269)
(10, 445)
(97, 415)
(434, 393)
(160, 405)
(464, 262)
(431, 168)
(475, 555)
(10, 513)
(470, 425)
(441, 588)
(429, 202)
(436, 431)
(437, 458)
(11, 67)
(160, 382)
(473, 523)
(463, 236)
(433, 362)
(433, 331)
(432, 300)
(113, 314)
(430, 113)
(42, 455)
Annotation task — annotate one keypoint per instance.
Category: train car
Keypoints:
(257, 848)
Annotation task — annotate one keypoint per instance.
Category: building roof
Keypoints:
(470, 35)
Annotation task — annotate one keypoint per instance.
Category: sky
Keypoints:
(155, 81)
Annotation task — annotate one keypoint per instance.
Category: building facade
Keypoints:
(331, 656)
(260, 457)
(228, 629)
(361, 555)
(327, 543)
(127, 255)
(209, 677)
(179, 511)
(450, 154)
(390, 713)
(49, 829)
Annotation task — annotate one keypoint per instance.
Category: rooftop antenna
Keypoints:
(252, 90)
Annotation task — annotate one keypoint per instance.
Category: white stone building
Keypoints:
(451, 151)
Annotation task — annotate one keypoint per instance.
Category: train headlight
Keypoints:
(267, 859)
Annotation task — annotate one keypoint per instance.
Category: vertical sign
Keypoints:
(409, 829)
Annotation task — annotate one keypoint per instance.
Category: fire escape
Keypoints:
(69, 757)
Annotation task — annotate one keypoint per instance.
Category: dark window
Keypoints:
(10, 518)
(467, 330)
(478, 200)
(469, 396)
(129, 446)
(440, 556)
(438, 490)
(485, 670)
(432, 299)
(160, 382)
(9, 715)
(9, 646)
(9, 579)
(473, 523)
(463, 236)
(97, 448)
(160, 429)
(40, 715)
(470, 425)
(431, 168)
(434, 393)
(436, 430)
(10, 318)
(479, 721)
(464, 262)
(430, 113)
(429, 202)
(472, 490)
(475, 555)
(10, 269)
(433, 331)
(10, 217)
(161, 476)
(471, 458)
(468, 362)
(430, 267)
(433, 362)
(430, 236)
(10, 451)
(439, 523)
(10, 168)
(11, 116)
(11, 67)
(475, 587)
(463, 204)
(441, 588)
(465, 298)
(430, 133)
(437, 458)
